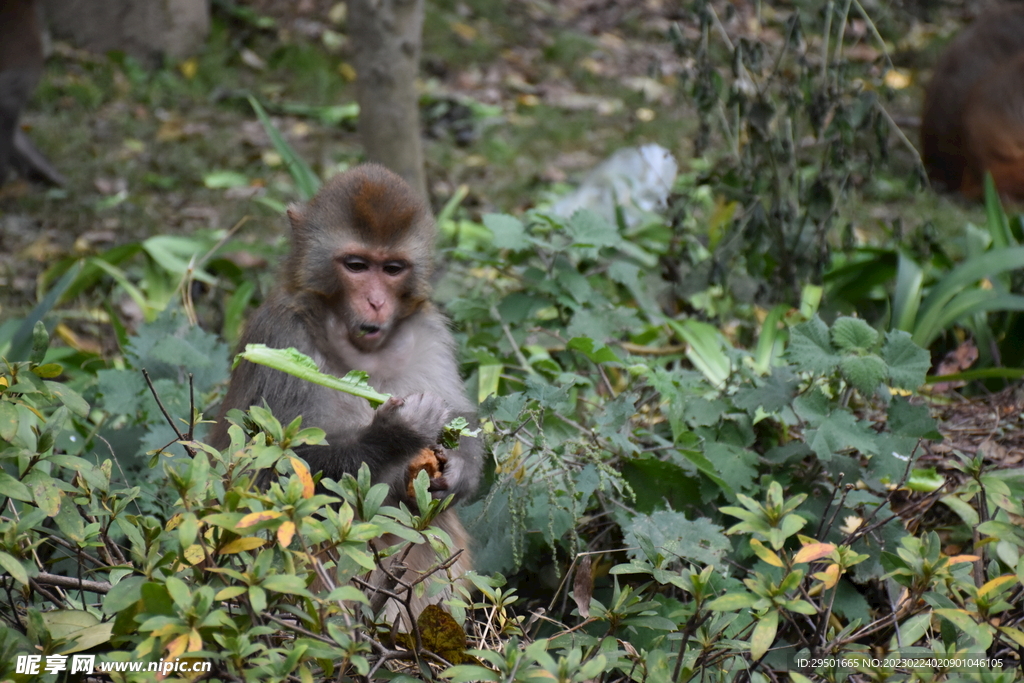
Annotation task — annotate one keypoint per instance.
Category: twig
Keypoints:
(73, 583)
(167, 416)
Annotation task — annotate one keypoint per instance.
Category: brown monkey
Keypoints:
(973, 116)
(21, 65)
(353, 294)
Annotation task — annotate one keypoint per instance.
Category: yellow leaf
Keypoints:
(851, 524)
(285, 532)
(766, 554)
(240, 545)
(464, 31)
(194, 554)
(897, 79)
(173, 522)
(195, 641)
(347, 71)
(1016, 635)
(302, 472)
(177, 647)
(960, 559)
(814, 551)
(829, 577)
(994, 586)
(165, 630)
(189, 68)
(254, 518)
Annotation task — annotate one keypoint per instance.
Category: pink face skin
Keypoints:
(374, 282)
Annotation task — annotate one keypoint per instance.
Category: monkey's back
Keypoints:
(977, 74)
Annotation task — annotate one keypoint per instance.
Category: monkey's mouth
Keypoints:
(369, 331)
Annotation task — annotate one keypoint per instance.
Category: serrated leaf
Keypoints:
(853, 334)
(810, 347)
(599, 353)
(841, 431)
(508, 231)
(906, 419)
(908, 363)
(865, 373)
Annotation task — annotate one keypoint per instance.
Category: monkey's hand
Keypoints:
(422, 414)
(432, 459)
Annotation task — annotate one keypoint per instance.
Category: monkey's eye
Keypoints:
(395, 267)
(354, 264)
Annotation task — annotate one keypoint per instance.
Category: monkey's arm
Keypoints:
(398, 432)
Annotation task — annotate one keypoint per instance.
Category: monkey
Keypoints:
(21, 66)
(353, 293)
(973, 115)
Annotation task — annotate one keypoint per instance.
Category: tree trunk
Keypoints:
(385, 37)
(148, 30)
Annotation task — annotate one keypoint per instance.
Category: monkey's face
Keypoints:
(375, 288)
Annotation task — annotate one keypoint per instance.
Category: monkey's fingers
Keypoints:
(438, 485)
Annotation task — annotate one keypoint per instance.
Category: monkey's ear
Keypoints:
(295, 216)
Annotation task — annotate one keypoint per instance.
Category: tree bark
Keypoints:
(385, 37)
(148, 30)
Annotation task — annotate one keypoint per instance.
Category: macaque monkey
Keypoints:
(353, 294)
(973, 117)
(21, 65)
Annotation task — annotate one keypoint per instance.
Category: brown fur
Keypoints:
(973, 115)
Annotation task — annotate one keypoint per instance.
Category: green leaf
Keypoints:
(732, 602)
(286, 583)
(22, 341)
(40, 342)
(964, 621)
(592, 350)
(908, 363)
(700, 541)
(508, 232)
(306, 181)
(865, 373)
(123, 595)
(937, 311)
(470, 672)
(853, 334)
(71, 399)
(764, 634)
(14, 568)
(8, 422)
(705, 349)
(810, 347)
(906, 298)
(302, 366)
(219, 180)
(12, 487)
(906, 419)
(841, 431)
(925, 480)
(995, 218)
